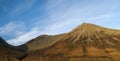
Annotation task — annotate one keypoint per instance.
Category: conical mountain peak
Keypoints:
(86, 28)
(90, 34)
(87, 25)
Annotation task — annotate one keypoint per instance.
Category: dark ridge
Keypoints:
(6, 45)
(18, 52)
(22, 57)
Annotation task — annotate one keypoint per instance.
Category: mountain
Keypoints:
(11, 53)
(87, 42)
(43, 41)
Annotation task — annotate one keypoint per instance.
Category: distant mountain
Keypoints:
(87, 42)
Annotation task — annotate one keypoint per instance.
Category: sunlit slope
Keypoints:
(87, 42)
(43, 41)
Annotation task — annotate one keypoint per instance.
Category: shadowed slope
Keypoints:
(9, 52)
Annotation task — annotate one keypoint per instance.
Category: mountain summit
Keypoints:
(87, 42)
(84, 43)
(94, 35)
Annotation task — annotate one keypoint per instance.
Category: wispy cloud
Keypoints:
(12, 29)
(57, 27)
(51, 4)
(94, 12)
(51, 29)
(64, 16)
(24, 37)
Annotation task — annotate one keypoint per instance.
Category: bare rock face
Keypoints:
(87, 42)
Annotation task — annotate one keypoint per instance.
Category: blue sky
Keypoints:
(22, 20)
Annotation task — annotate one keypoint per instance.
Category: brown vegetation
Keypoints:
(87, 42)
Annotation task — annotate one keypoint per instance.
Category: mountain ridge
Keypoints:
(82, 42)
(87, 42)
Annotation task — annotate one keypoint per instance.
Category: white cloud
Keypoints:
(25, 37)
(52, 29)
(12, 28)
(77, 12)
(104, 16)
(65, 18)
